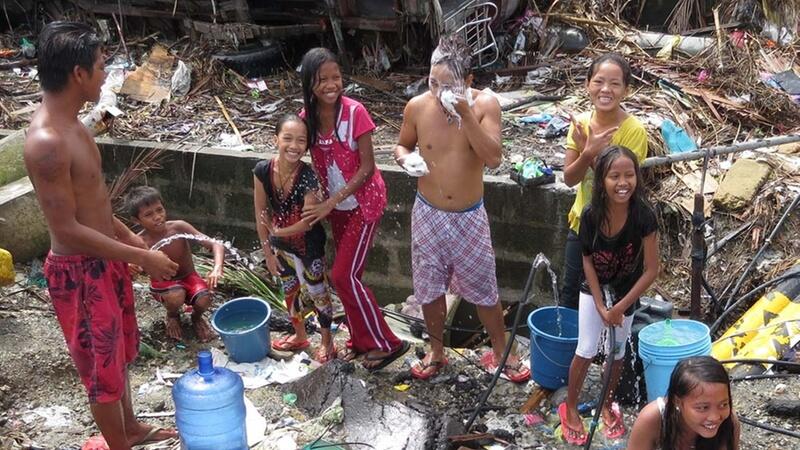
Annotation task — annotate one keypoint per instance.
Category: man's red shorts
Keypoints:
(93, 300)
(193, 284)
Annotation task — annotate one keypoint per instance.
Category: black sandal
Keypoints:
(387, 359)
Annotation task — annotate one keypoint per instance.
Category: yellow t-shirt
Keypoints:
(631, 134)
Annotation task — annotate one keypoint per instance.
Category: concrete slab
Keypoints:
(741, 184)
(384, 423)
(23, 230)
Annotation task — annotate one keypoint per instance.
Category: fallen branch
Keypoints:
(228, 118)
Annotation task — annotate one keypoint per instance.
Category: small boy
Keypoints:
(146, 209)
(458, 133)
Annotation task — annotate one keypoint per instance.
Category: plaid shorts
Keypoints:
(452, 250)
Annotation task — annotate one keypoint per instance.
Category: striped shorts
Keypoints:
(452, 250)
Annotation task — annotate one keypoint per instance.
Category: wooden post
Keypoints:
(336, 25)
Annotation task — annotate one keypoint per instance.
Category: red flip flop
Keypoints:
(420, 371)
(516, 372)
(285, 345)
(616, 429)
(571, 435)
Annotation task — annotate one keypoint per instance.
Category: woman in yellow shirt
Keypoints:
(607, 84)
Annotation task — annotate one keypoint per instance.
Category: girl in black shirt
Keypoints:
(294, 250)
(620, 259)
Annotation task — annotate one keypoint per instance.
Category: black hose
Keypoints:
(509, 345)
(761, 250)
(607, 376)
(777, 362)
(764, 376)
(603, 392)
(748, 296)
(768, 427)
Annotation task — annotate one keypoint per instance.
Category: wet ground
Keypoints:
(36, 373)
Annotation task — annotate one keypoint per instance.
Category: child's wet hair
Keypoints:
(599, 210)
(614, 58)
(288, 118)
(688, 374)
(453, 52)
(309, 70)
(140, 197)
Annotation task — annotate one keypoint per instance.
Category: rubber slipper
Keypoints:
(388, 359)
(420, 370)
(571, 435)
(616, 429)
(516, 373)
(284, 344)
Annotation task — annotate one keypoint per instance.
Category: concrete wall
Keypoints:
(212, 189)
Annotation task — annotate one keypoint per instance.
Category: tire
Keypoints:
(253, 62)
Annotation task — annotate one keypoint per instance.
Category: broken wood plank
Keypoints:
(152, 81)
(534, 400)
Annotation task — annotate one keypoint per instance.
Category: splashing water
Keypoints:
(229, 249)
(542, 261)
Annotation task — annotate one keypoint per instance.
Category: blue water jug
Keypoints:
(209, 407)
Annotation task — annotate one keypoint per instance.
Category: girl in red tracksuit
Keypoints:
(340, 139)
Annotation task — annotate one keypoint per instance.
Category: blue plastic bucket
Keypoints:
(243, 325)
(554, 337)
(661, 349)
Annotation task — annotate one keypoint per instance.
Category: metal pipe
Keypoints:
(721, 150)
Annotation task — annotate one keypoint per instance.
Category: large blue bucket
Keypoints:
(243, 325)
(554, 337)
(661, 348)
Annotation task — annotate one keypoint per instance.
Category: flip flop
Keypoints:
(388, 359)
(516, 373)
(284, 344)
(616, 429)
(149, 438)
(419, 370)
(571, 435)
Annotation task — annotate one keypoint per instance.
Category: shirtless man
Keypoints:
(451, 245)
(86, 270)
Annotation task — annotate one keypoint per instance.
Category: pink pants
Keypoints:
(353, 238)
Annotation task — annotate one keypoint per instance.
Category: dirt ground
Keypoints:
(36, 372)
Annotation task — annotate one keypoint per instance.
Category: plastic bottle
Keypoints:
(28, 49)
(209, 407)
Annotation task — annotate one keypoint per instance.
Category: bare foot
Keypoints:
(147, 434)
(201, 328)
(325, 353)
(348, 354)
(174, 327)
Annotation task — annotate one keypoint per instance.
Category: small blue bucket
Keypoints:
(553, 344)
(661, 348)
(243, 325)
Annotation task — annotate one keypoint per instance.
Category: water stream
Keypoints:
(229, 249)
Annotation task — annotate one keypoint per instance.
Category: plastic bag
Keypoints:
(181, 79)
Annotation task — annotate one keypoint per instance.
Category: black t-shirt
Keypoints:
(618, 260)
(287, 211)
